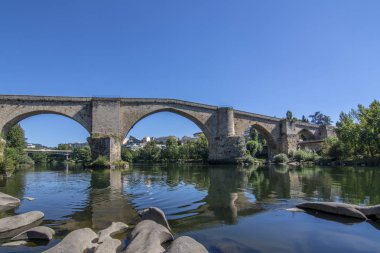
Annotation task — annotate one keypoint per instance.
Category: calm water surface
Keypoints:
(228, 209)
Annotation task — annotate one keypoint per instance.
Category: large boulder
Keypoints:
(109, 245)
(334, 208)
(148, 236)
(370, 210)
(185, 244)
(155, 214)
(18, 221)
(36, 233)
(7, 201)
(78, 241)
(115, 228)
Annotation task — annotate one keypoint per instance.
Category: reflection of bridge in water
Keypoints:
(229, 193)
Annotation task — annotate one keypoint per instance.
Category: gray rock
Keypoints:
(148, 237)
(369, 210)
(109, 245)
(334, 208)
(115, 228)
(36, 233)
(7, 201)
(155, 214)
(78, 241)
(18, 221)
(185, 244)
(14, 244)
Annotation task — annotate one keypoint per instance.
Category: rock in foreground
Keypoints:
(109, 245)
(36, 233)
(155, 214)
(185, 244)
(115, 228)
(7, 201)
(334, 208)
(78, 241)
(18, 221)
(148, 236)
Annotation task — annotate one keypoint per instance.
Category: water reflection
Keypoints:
(196, 198)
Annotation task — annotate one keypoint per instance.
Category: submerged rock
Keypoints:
(370, 210)
(14, 244)
(109, 245)
(185, 244)
(115, 228)
(334, 208)
(295, 209)
(7, 201)
(155, 214)
(36, 233)
(78, 241)
(18, 221)
(148, 236)
(28, 198)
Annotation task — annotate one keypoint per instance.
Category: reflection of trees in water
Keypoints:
(226, 186)
(270, 183)
(226, 199)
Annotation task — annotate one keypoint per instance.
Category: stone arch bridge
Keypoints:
(108, 120)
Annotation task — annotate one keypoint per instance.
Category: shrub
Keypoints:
(101, 161)
(303, 155)
(280, 158)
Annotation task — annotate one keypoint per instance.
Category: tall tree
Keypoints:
(320, 119)
(289, 115)
(16, 138)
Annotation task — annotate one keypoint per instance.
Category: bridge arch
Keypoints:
(15, 118)
(305, 135)
(181, 113)
(268, 136)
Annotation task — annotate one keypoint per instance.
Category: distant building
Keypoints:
(131, 140)
(35, 146)
(146, 139)
(163, 139)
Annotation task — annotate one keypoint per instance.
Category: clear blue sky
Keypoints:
(259, 56)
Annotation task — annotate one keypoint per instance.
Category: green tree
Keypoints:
(16, 138)
(253, 146)
(127, 154)
(201, 147)
(320, 119)
(64, 146)
(82, 155)
(289, 115)
(369, 124)
(150, 152)
(171, 151)
(255, 142)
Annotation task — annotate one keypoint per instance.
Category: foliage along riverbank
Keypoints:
(357, 141)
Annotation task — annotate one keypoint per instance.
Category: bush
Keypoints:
(281, 158)
(101, 161)
(307, 156)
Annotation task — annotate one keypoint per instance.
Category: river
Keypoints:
(226, 208)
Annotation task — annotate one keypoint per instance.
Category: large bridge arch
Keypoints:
(12, 120)
(175, 111)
